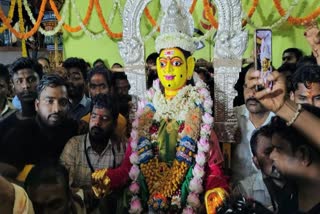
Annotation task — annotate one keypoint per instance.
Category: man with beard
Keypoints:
(100, 148)
(282, 191)
(128, 104)
(42, 138)
(99, 82)
(251, 116)
(76, 76)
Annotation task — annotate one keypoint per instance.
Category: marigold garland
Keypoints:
(193, 6)
(10, 15)
(151, 19)
(208, 12)
(29, 33)
(251, 11)
(104, 24)
(22, 29)
(297, 21)
(68, 27)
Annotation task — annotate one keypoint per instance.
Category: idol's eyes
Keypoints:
(163, 63)
(176, 62)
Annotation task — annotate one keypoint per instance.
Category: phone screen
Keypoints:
(263, 52)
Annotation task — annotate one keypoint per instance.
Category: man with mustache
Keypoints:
(98, 149)
(42, 138)
(76, 81)
(251, 116)
(25, 75)
(282, 191)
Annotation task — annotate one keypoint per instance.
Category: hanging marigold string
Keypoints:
(151, 19)
(208, 13)
(68, 27)
(10, 15)
(193, 6)
(34, 28)
(22, 29)
(104, 24)
(251, 11)
(297, 21)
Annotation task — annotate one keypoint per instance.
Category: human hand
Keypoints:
(272, 98)
(312, 35)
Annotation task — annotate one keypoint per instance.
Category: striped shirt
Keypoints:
(74, 159)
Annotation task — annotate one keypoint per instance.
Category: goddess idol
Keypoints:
(174, 162)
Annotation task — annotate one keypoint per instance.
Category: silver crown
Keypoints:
(176, 28)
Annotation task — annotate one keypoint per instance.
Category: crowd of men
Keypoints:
(57, 127)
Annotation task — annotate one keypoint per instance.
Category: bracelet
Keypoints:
(296, 114)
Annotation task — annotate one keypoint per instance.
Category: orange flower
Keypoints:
(297, 21)
(68, 27)
(208, 14)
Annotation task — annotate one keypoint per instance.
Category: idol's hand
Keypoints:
(272, 98)
(100, 183)
(214, 198)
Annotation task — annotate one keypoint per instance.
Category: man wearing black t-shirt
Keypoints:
(42, 138)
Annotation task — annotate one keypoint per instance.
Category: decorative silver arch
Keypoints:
(132, 47)
(231, 42)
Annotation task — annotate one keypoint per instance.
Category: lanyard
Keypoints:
(88, 159)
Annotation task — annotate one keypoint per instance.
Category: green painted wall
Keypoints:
(80, 45)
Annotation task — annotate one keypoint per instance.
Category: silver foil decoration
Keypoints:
(132, 47)
(230, 44)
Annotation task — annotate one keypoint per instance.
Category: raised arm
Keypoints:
(274, 99)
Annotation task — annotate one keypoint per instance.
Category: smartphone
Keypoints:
(263, 54)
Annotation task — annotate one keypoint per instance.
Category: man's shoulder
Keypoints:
(77, 140)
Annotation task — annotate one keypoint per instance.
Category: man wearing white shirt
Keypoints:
(251, 116)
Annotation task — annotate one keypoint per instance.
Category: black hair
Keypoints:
(152, 57)
(239, 99)
(4, 73)
(47, 173)
(108, 102)
(306, 75)
(289, 133)
(264, 131)
(306, 60)
(44, 58)
(26, 63)
(100, 70)
(117, 64)
(50, 80)
(97, 61)
(297, 52)
(287, 67)
(288, 70)
(118, 76)
(74, 62)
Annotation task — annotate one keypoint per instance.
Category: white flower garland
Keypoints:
(199, 95)
(59, 25)
(116, 5)
(93, 36)
(280, 21)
